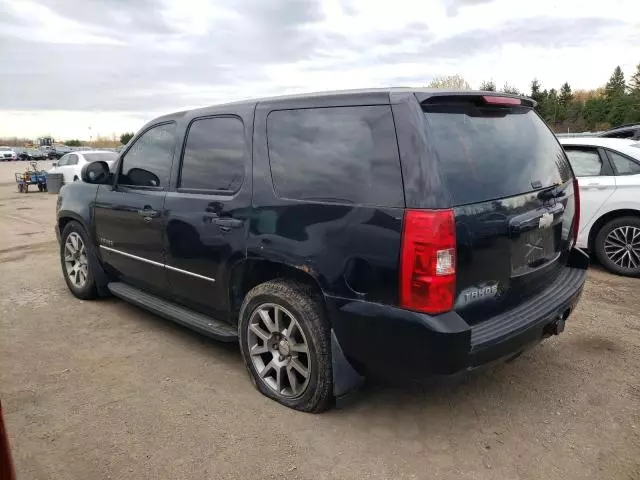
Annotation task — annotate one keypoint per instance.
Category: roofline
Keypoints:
(426, 92)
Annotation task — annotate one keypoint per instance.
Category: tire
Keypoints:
(612, 235)
(86, 290)
(315, 392)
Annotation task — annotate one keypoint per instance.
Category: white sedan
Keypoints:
(7, 154)
(70, 164)
(608, 171)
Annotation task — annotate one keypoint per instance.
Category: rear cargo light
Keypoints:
(575, 228)
(428, 261)
(496, 100)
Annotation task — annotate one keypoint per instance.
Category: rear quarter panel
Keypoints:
(351, 250)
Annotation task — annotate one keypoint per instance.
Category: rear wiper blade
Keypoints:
(549, 192)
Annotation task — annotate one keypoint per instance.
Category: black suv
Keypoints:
(394, 231)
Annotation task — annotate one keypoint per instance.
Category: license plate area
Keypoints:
(532, 249)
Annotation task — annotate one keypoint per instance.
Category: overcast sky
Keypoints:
(112, 65)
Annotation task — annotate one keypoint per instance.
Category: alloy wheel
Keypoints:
(279, 350)
(622, 247)
(75, 260)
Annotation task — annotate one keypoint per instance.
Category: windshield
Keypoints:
(494, 152)
(100, 156)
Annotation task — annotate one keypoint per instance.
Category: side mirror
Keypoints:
(54, 164)
(95, 172)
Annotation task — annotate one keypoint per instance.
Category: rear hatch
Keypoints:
(512, 195)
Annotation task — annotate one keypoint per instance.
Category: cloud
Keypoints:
(452, 6)
(144, 57)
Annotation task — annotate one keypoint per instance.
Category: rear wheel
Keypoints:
(617, 246)
(284, 338)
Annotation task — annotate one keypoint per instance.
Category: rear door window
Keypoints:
(586, 162)
(489, 152)
(345, 155)
(214, 155)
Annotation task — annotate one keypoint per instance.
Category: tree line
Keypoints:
(565, 110)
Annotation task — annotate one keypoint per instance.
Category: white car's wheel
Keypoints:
(617, 246)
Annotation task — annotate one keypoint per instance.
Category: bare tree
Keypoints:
(454, 82)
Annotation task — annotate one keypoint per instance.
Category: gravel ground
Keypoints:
(98, 390)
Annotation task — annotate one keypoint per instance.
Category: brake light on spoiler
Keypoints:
(428, 261)
(498, 100)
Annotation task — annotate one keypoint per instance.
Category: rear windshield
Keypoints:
(100, 156)
(494, 152)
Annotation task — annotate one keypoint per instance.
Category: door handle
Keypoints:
(227, 223)
(148, 213)
(596, 186)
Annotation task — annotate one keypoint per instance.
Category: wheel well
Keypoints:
(62, 222)
(595, 228)
(254, 272)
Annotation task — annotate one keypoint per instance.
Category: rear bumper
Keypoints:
(398, 342)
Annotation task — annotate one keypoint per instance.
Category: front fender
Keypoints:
(75, 202)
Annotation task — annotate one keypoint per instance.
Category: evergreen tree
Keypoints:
(536, 93)
(550, 107)
(565, 94)
(633, 112)
(618, 110)
(634, 81)
(595, 112)
(616, 85)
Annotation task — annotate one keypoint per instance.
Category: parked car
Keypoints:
(20, 151)
(60, 150)
(406, 232)
(630, 131)
(31, 154)
(70, 165)
(608, 171)
(7, 154)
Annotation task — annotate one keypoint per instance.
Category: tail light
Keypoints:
(575, 228)
(428, 261)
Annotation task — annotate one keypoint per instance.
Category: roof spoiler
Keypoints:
(479, 97)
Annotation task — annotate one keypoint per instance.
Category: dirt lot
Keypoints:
(97, 390)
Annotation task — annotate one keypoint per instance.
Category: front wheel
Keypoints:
(285, 343)
(76, 261)
(617, 246)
